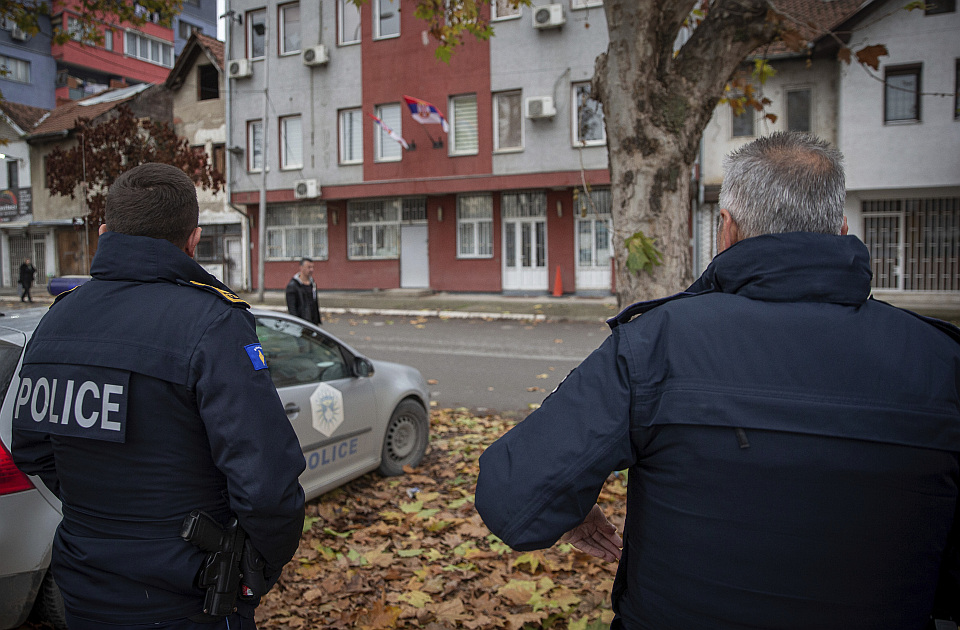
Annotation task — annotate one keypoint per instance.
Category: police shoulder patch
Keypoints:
(232, 298)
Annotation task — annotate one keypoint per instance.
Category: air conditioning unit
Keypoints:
(18, 33)
(239, 68)
(306, 189)
(316, 55)
(548, 16)
(539, 107)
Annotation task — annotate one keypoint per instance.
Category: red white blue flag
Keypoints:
(390, 132)
(425, 113)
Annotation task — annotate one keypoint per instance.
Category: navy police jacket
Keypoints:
(792, 449)
(144, 396)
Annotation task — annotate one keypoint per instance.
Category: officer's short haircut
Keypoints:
(305, 260)
(155, 200)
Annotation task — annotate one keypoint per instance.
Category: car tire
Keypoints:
(49, 604)
(406, 438)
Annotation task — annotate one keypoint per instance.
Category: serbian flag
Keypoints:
(425, 113)
(390, 132)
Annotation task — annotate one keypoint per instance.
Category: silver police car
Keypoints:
(352, 415)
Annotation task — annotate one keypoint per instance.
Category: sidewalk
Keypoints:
(425, 303)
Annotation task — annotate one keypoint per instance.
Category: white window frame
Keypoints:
(283, 221)
(18, 70)
(497, 146)
(343, 6)
(379, 221)
(248, 45)
(355, 116)
(291, 145)
(495, 14)
(377, 12)
(472, 216)
(252, 145)
(108, 39)
(465, 126)
(382, 140)
(164, 49)
(585, 4)
(576, 88)
(282, 21)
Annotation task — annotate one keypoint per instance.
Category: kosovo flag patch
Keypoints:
(255, 352)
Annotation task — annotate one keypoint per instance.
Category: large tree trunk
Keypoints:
(656, 105)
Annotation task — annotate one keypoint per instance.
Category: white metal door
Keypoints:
(593, 254)
(414, 257)
(525, 255)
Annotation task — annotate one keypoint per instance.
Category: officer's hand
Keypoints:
(595, 536)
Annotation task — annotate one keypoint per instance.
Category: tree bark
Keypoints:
(656, 105)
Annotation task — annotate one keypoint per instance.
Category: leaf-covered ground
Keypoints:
(412, 552)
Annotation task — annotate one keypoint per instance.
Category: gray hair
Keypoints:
(785, 182)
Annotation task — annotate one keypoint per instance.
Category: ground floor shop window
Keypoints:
(296, 231)
(914, 243)
(474, 226)
(373, 228)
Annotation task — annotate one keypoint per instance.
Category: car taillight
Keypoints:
(11, 479)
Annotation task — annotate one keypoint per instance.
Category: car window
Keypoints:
(296, 354)
(9, 356)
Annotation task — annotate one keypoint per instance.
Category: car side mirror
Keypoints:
(362, 367)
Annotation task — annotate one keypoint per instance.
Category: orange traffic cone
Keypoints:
(558, 284)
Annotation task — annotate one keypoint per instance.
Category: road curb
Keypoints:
(398, 312)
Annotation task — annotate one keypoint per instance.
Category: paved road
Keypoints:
(500, 366)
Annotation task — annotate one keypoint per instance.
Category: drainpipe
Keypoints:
(262, 220)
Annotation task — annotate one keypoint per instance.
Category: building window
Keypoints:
(373, 228)
(296, 231)
(108, 39)
(508, 121)
(503, 9)
(256, 41)
(901, 99)
(290, 28)
(388, 149)
(743, 123)
(75, 29)
(15, 69)
(474, 226)
(220, 158)
(594, 227)
(186, 29)
(291, 143)
(933, 7)
(254, 145)
(583, 4)
(463, 128)
(348, 26)
(386, 18)
(351, 136)
(208, 82)
(588, 119)
(146, 49)
(799, 110)
(13, 175)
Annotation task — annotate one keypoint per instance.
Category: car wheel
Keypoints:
(49, 604)
(406, 438)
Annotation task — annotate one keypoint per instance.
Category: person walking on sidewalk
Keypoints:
(27, 273)
(302, 294)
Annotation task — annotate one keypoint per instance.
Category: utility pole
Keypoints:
(262, 220)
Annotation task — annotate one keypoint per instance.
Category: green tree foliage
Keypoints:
(107, 149)
(90, 15)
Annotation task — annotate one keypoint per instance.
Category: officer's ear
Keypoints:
(103, 229)
(191, 247)
(728, 234)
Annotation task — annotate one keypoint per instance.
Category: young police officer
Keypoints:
(144, 396)
(792, 445)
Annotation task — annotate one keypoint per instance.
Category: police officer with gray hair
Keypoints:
(145, 397)
(793, 445)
